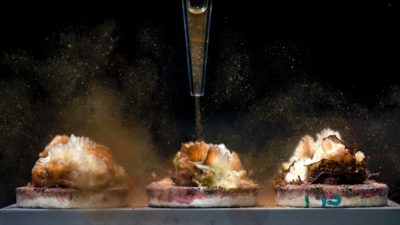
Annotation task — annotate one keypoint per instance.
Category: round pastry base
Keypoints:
(167, 195)
(322, 195)
(33, 197)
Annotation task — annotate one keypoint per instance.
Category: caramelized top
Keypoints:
(202, 164)
(76, 162)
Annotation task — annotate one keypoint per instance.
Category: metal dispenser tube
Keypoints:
(197, 17)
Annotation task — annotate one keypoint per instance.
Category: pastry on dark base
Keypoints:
(325, 195)
(161, 194)
(36, 197)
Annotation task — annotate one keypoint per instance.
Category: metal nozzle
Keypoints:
(197, 17)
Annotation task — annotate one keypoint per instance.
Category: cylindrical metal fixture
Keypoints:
(197, 17)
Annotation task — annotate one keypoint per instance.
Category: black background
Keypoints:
(343, 49)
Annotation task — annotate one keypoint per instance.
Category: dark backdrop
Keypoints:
(277, 71)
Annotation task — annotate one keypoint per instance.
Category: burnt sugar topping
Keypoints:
(326, 160)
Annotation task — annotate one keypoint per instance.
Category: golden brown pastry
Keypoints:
(76, 162)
